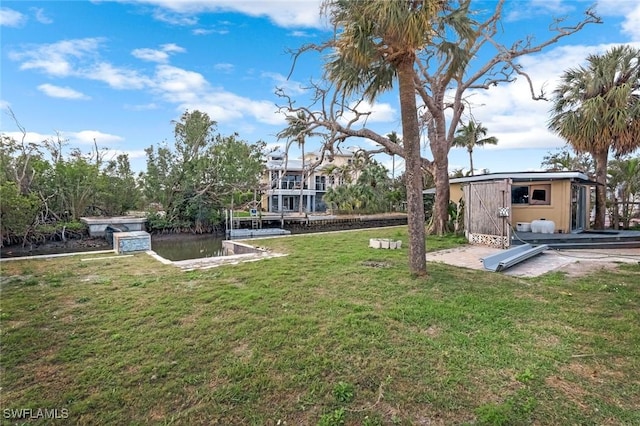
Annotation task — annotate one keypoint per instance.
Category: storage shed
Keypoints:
(546, 202)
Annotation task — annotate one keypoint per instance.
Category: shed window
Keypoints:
(540, 195)
(519, 195)
(532, 194)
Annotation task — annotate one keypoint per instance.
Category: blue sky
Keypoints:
(120, 72)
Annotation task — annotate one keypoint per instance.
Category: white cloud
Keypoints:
(228, 107)
(284, 13)
(183, 88)
(190, 90)
(174, 18)
(226, 68)
(299, 34)
(291, 87)
(155, 55)
(629, 11)
(40, 15)
(178, 83)
(508, 111)
(11, 18)
(379, 113)
(57, 59)
(79, 58)
(263, 111)
(61, 92)
(84, 137)
(525, 10)
(203, 31)
(142, 107)
(88, 137)
(172, 48)
(554, 6)
(29, 137)
(151, 55)
(631, 24)
(117, 78)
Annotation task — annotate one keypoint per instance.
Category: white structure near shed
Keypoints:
(98, 225)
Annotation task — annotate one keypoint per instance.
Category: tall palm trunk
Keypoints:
(471, 160)
(601, 157)
(413, 167)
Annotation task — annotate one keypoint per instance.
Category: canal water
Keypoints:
(184, 247)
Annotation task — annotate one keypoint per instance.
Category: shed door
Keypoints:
(487, 212)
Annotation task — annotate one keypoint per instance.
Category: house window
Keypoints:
(539, 195)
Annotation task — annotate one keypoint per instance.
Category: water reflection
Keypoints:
(183, 247)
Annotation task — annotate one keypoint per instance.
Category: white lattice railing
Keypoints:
(489, 240)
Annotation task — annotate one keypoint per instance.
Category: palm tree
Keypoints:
(563, 159)
(597, 110)
(297, 131)
(376, 185)
(470, 136)
(377, 44)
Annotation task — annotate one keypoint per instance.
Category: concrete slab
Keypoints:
(214, 262)
(573, 262)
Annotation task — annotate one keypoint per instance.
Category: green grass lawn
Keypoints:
(335, 333)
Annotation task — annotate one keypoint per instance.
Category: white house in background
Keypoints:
(283, 180)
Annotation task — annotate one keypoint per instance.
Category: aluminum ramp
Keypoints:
(506, 259)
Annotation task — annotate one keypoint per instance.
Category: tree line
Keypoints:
(47, 187)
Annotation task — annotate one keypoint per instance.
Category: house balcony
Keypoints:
(288, 186)
(294, 192)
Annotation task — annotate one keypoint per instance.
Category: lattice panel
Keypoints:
(503, 212)
(489, 240)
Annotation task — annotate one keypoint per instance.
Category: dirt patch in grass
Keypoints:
(243, 351)
(584, 371)
(582, 268)
(45, 372)
(599, 376)
(432, 331)
(190, 319)
(572, 391)
(158, 413)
